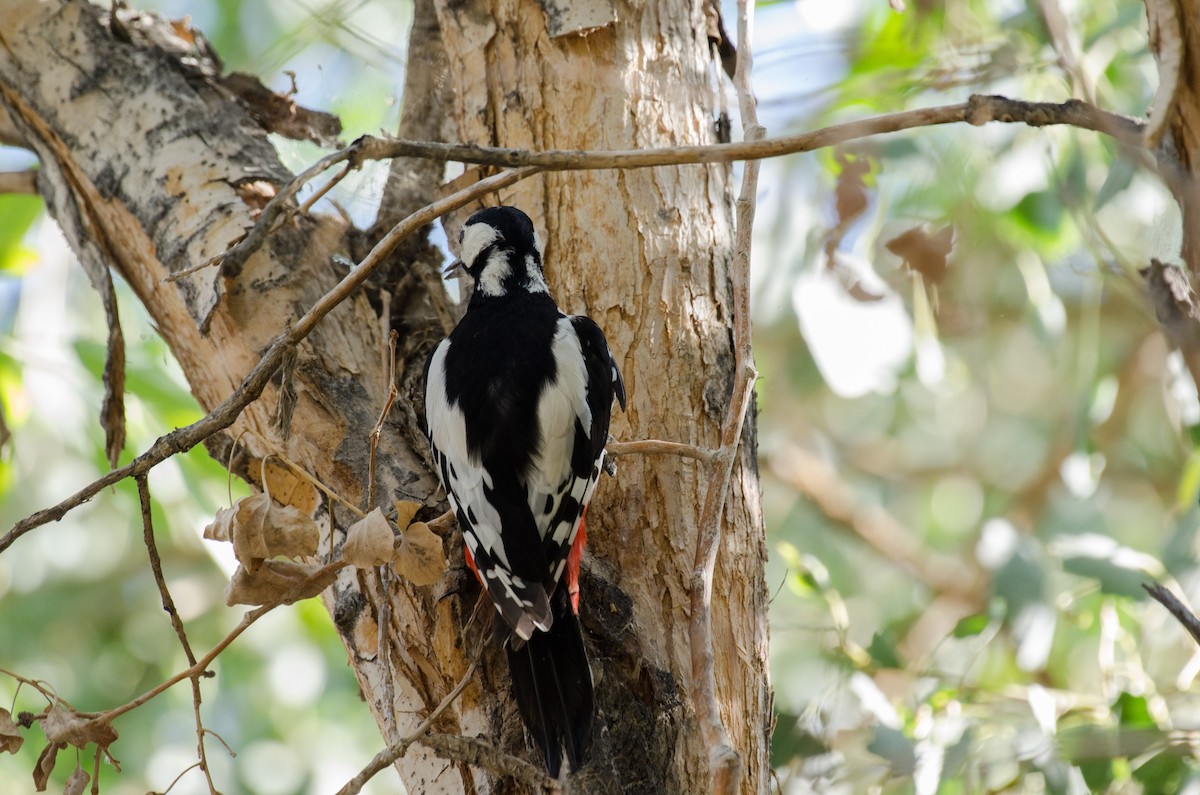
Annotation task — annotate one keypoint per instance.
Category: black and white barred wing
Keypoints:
(488, 511)
(573, 415)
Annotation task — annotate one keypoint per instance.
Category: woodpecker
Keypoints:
(517, 401)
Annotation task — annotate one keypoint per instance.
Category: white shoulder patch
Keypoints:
(562, 402)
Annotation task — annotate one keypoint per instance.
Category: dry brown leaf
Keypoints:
(924, 253)
(77, 782)
(277, 579)
(851, 193)
(45, 766)
(63, 726)
(405, 511)
(369, 541)
(260, 529)
(11, 738)
(421, 558)
(220, 529)
(288, 488)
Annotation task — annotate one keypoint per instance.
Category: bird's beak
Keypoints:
(453, 270)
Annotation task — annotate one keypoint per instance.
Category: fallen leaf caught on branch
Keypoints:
(77, 782)
(11, 739)
(260, 529)
(369, 541)
(65, 727)
(405, 511)
(421, 558)
(277, 579)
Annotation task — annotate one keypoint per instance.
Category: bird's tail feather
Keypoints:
(552, 683)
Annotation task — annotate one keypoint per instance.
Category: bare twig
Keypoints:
(392, 394)
(1166, 40)
(320, 192)
(183, 439)
(18, 181)
(979, 109)
(1060, 38)
(389, 755)
(168, 604)
(1182, 612)
(202, 664)
(725, 763)
(476, 752)
(659, 447)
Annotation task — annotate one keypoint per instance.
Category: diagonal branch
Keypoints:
(224, 415)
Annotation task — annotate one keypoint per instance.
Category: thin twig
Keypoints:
(474, 751)
(18, 182)
(392, 394)
(224, 415)
(202, 664)
(317, 194)
(389, 755)
(317, 484)
(725, 763)
(1182, 612)
(659, 447)
(979, 109)
(168, 604)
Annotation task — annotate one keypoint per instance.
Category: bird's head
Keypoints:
(500, 250)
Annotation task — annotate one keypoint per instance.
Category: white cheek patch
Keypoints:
(534, 281)
(494, 273)
(475, 239)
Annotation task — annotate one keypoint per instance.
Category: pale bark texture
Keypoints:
(152, 163)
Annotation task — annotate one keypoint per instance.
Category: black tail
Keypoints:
(553, 686)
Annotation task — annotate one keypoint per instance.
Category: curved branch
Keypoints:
(224, 415)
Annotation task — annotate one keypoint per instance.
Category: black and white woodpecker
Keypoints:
(517, 400)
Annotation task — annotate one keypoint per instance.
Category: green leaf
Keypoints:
(971, 625)
(1040, 212)
(883, 651)
(17, 214)
(1132, 711)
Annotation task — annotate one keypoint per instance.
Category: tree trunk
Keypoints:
(151, 163)
(647, 254)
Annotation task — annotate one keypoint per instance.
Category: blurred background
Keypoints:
(975, 443)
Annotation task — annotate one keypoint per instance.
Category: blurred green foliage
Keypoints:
(1038, 435)
(1022, 418)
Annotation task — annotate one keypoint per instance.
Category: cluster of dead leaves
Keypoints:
(62, 727)
(417, 555)
(266, 534)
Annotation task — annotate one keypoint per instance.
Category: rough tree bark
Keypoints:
(152, 162)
